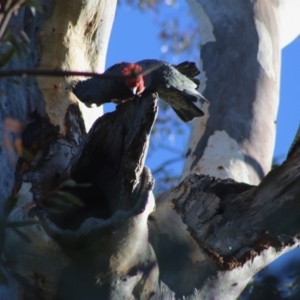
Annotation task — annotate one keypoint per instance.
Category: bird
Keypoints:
(175, 84)
(99, 91)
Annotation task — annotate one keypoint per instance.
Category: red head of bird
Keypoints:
(137, 84)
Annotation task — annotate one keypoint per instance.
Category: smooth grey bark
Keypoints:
(240, 54)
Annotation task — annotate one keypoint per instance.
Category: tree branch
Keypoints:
(111, 159)
(228, 230)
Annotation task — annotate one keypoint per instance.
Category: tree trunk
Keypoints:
(241, 44)
(67, 35)
(98, 235)
(241, 62)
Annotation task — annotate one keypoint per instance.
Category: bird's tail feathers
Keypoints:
(195, 96)
(188, 115)
(190, 70)
(187, 68)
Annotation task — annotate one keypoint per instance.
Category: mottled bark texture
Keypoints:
(241, 54)
(213, 235)
(53, 125)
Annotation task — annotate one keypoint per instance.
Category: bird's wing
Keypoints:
(187, 115)
(190, 70)
(175, 81)
(172, 78)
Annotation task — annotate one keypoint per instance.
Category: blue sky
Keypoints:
(135, 37)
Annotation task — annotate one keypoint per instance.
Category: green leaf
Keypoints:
(69, 182)
(57, 199)
(71, 198)
(9, 204)
(34, 6)
(6, 57)
(73, 183)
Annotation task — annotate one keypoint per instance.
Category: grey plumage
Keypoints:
(175, 85)
(100, 90)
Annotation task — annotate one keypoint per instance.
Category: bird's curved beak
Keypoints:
(134, 90)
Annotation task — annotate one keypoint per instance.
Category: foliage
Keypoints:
(13, 40)
(61, 199)
(12, 43)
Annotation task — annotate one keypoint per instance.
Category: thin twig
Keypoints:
(59, 73)
(8, 10)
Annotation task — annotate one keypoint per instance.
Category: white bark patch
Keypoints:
(79, 45)
(289, 28)
(265, 55)
(222, 158)
(205, 28)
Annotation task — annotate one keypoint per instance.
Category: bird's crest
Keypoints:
(131, 69)
(138, 82)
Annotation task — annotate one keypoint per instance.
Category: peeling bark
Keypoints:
(221, 233)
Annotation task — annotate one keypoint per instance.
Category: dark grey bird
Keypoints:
(102, 90)
(175, 85)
